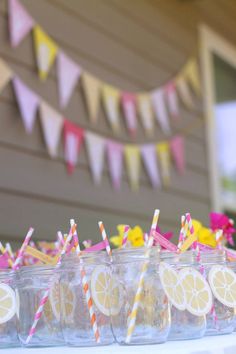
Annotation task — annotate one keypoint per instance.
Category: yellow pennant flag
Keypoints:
(191, 72)
(92, 87)
(146, 113)
(184, 90)
(5, 74)
(111, 99)
(163, 152)
(132, 158)
(46, 51)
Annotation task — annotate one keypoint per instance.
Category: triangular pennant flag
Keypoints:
(73, 138)
(96, 148)
(191, 72)
(68, 73)
(46, 51)
(132, 158)
(52, 124)
(92, 87)
(149, 156)
(128, 101)
(184, 91)
(172, 99)
(163, 152)
(28, 103)
(20, 22)
(146, 113)
(160, 110)
(111, 99)
(115, 161)
(5, 74)
(177, 150)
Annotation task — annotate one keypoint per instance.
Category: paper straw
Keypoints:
(181, 234)
(125, 236)
(28, 236)
(4, 251)
(155, 220)
(105, 239)
(44, 299)
(60, 238)
(9, 250)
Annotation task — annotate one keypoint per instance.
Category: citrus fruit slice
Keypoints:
(106, 292)
(68, 301)
(7, 303)
(172, 285)
(197, 291)
(54, 299)
(17, 304)
(223, 285)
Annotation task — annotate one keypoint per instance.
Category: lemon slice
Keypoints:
(7, 303)
(172, 286)
(54, 300)
(197, 292)
(223, 285)
(68, 301)
(17, 303)
(106, 292)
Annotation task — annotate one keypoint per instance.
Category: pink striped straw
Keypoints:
(182, 233)
(16, 264)
(60, 238)
(44, 299)
(105, 239)
(125, 236)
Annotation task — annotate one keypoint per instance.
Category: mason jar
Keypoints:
(184, 324)
(232, 265)
(31, 285)
(142, 315)
(9, 309)
(221, 318)
(85, 285)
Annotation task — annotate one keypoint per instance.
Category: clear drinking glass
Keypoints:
(31, 285)
(9, 309)
(152, 323)
(184, 325)
(86, 281)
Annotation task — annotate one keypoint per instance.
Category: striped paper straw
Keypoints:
(155, 220)
(105, 239)
(44, 299)
(28, 236)
(88, 296)
(125, 236)
(181, 234)
(60, 238)
(5, 251)
(9, 250)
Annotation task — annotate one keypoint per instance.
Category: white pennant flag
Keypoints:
(172, 99)
(160, 110)
(149, 156)
(146, 112)
(52, 124)
(96, 148)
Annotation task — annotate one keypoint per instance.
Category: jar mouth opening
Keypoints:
(90, 258)
(37, 268)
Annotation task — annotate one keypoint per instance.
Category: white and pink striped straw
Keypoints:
(19, 258)
(44, 299)
(125, 236)
(105, 239)
(183, 232)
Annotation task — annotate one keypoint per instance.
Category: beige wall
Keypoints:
(135, 45)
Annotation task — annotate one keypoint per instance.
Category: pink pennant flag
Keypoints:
(73, 137)
(115, 161)
(177, 150)
(128, 101)
(160, 110)
(68, 74)
(95, 147)
(28, 103)
(149, 156)
(20, 22)
(172, 99)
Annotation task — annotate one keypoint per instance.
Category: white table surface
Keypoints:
(225, 344)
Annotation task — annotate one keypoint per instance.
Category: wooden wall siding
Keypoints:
(135, 48)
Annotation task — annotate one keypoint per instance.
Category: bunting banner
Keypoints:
(149, 156)
(115, 162)
(111, 99)
(177, 151)
(73, 138)
(191, 72)
(128, 101)
(68, 73)
(163, 152)
(46, 51)
(184, 92)
(28, 103)
(132, 159)
(92, 88)
(96, 148)
(172, 99)
(145, 112)
(5, 74)
(52, 125)
(160, 110)
(20, 22)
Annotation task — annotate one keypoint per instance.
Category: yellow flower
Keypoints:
(135, 236)
(207, 237)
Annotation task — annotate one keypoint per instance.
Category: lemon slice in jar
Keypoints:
(68, 300)
(223, 285)
(197, 292)
(7, 303)
(54, 302)
(106, 292)
(172, 286)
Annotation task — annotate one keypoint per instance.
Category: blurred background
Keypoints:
(135, 47)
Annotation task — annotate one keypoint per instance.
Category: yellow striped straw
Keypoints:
(4, 251)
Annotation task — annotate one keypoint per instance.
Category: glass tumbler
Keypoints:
(32, 283)
(142, 314)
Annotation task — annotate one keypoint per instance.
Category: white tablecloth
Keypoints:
(225, 344)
